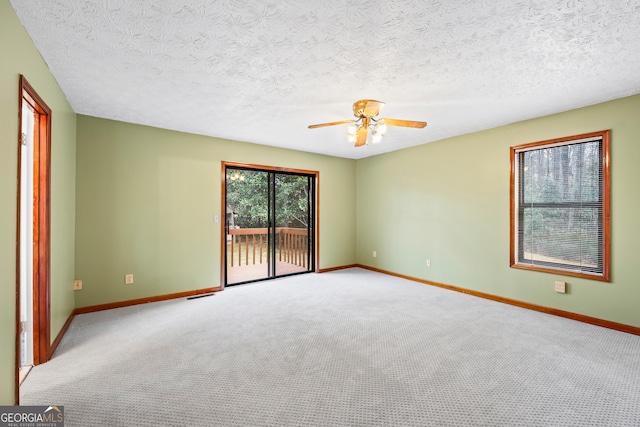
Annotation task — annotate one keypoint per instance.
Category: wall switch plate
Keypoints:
(561, 287)
(429, 263)
(77, 285)
(128, 279)
(375, 254)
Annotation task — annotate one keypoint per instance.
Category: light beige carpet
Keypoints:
(347, 348)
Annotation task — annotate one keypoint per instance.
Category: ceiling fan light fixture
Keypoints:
(366, 128)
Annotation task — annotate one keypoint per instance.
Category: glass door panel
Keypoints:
(248, 234)
(293, 223)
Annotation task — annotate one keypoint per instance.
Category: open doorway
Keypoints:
(33, 236)
(270, 227)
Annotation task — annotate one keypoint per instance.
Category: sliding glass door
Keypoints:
(269, 224)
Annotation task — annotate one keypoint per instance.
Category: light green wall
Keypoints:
(448, 201)
(146, 198)
(18, 56)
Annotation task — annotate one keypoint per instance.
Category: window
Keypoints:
(560, 206)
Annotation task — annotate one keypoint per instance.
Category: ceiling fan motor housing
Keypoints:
(360, 108)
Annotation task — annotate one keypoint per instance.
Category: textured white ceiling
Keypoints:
(261, 71)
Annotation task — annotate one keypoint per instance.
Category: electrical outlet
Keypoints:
(561, 287)
(128, 279)
(429, 263)
(375, 254)
(77, 285)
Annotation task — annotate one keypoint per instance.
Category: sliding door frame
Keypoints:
(316, 215)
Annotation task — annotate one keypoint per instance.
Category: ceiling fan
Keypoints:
(365, 110)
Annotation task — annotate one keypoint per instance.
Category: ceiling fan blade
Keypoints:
(403, 123)
(372, 108)
(321, 125)
(362, 136)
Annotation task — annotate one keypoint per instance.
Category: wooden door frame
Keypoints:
(223, 236)
(41, 228)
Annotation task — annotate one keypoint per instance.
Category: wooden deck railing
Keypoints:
(249, 245)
